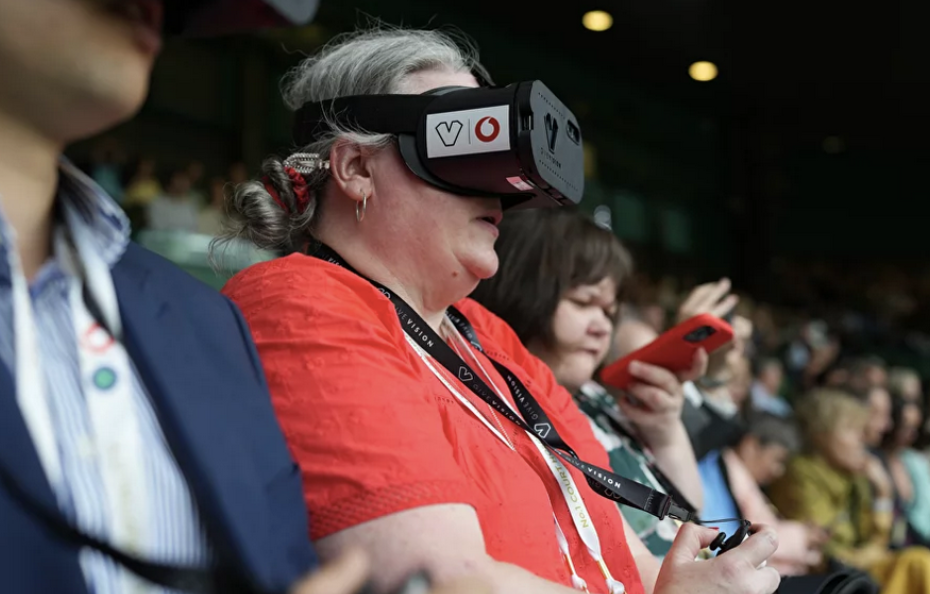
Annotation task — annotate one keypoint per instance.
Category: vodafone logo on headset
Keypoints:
(487, 129)
(469, 132)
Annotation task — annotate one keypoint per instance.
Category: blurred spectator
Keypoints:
(810, 354)
(766, 387)
(195, 175)
(143, 185)
(174, 210)
(828, 486)
(878, 402)
(107, 167)
(905, 383)
(867, 372)
(769, 442)
(238, 173)
(758, 460)
(213, 216)
(910, 473)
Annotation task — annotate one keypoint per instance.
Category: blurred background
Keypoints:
(782, 145)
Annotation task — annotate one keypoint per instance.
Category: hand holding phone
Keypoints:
(674, 350)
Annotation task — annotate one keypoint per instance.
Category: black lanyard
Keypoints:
(603, 482)
(615, 424)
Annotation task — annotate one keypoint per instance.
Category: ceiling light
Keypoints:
(597, 20)
(703, 71)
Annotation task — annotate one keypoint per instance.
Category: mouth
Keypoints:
(594, 353)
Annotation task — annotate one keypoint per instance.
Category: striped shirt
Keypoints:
(176, 533)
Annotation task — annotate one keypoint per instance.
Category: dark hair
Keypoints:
(898, 405)
(545, 253)
(762, 363)
(769, 429)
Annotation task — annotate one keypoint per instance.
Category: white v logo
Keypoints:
(449, 132)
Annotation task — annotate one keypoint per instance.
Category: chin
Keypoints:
(482, 265)
(94, 110)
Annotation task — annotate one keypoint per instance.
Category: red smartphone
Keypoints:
(674, 350)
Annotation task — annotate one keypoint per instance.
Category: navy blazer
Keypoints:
(195, 356)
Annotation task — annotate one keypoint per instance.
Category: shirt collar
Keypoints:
(108, 225)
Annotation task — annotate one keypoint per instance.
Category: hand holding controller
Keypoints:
(722, 544)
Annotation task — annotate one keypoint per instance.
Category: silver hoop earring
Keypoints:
(360, 212)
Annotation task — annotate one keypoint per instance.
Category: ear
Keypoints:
(350, 170)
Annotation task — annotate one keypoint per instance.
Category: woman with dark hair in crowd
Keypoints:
(561, 296)
(560, 286)
(399, 455)
(908, 470)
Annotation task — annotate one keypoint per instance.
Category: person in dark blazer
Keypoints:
(133, 408)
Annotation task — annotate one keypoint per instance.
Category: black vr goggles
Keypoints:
(518, 143)
(218, 17)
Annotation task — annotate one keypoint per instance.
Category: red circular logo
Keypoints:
(96, 339)
(495, 129)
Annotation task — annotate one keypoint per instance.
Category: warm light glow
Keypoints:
(703, 71)
(597, 20)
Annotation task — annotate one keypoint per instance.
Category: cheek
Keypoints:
(568, 325)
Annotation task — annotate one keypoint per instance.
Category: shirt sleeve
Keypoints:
(359, 416)
(792, 536)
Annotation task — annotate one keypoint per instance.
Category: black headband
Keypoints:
(381, 114)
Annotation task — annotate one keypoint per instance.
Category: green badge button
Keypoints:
(104, 378)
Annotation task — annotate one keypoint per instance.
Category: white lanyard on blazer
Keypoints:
(583, 522)
(106, 382)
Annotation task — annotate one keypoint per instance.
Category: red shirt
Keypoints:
(375, 432)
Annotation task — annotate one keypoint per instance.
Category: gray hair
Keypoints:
(373, 61)
(770, 429)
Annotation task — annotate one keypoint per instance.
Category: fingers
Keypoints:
(653, 375)
(345, 575)
(698, 367)
(766, 580)
(689, 542)
(711, 298)
(651, 398)
(758, 547)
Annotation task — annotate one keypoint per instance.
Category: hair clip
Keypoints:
(306, 163)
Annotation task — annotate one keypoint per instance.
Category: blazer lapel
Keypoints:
(18, 455)
(187, 398)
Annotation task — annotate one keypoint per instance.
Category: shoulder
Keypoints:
(303, 286)
(493, 330)
(144, 266)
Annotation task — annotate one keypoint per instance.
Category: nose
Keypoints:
(601, 326)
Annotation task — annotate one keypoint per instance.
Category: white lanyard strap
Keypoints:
(31, 394)
(114, 438)
(106, 379)
(582, 520)
(584, 524)
(577, 582)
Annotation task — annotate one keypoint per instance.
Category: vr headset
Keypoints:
(193, 18)
(518, 143)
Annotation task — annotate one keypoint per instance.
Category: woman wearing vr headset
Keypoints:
(422, 426)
